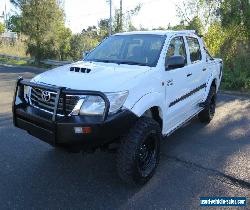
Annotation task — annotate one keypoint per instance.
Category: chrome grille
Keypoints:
(38, 101)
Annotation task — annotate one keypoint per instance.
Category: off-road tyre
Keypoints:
(140, 146)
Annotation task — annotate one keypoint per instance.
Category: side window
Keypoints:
(177, 47)
(194, 49)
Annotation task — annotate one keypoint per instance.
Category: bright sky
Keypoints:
(83, 13)
(154, 13)
(2, 6)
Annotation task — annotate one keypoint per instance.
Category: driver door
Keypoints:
(176, 85)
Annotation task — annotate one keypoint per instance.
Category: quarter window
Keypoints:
(194, 49)
(177, 47)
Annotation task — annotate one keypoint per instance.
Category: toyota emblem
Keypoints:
(46, 96)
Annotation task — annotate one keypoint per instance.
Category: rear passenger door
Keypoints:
(197, 71)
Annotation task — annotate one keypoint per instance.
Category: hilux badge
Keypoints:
(46, 96)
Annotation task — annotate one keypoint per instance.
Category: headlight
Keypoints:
(116, 100)
(95, 105)
(92, 105)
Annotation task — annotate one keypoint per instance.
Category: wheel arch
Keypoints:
(155, 113)
(150, 105)
(212, 82)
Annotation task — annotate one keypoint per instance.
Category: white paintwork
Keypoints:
(145, 84)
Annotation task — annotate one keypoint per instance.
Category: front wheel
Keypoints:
(139, 152)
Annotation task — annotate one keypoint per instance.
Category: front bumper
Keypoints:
(60, 130)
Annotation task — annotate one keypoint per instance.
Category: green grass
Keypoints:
(12, 61)
(9, 61)
(19, 49)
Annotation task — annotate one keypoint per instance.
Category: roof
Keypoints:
(158, 32)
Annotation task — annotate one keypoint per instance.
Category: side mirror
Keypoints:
(174, 62)
(85, 53)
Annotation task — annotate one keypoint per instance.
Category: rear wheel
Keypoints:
(139, 152)
(207, 114)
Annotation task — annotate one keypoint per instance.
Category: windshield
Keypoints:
(139, 49)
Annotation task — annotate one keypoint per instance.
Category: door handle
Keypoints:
(204, 69)
(170, 82)
(189, 74)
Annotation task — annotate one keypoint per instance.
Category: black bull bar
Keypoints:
(20, 103)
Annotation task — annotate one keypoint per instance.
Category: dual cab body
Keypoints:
(127, 81)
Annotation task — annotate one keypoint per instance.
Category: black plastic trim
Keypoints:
(59, 130)
(39, 124)
(187, 95)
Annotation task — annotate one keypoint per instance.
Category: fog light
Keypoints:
(78, 130)
(84, 130)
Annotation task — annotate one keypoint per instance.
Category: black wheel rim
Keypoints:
(147, 155)
(212, 107)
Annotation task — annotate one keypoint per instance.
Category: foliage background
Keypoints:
(224, 24)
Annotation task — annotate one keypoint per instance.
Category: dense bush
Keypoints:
(80, 43)
(231, 44)
(226, 29)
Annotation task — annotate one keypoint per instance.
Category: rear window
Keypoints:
(194, 49)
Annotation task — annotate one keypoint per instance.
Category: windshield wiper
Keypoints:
(131, 63)
(103, 61)
(119, 62)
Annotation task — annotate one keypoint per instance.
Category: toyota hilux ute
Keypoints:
(128, 93)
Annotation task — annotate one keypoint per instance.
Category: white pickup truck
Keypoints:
(130, 91)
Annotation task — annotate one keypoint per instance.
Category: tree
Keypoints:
(103, 26)
(18, 3)
(14, 23)
(122, 21)
(180, 26)
(43, 23)
(64, 39)
(235, 12)
(91, 32)
(198, 12)
(120, 18)
(130, 14)
(80, 43)
(214, 38)
(235, 19)
(196, 24)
